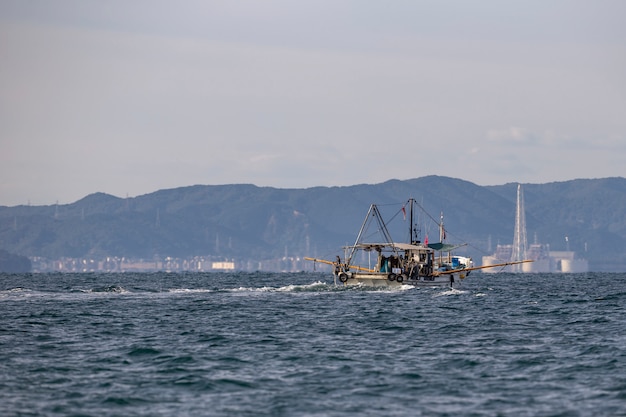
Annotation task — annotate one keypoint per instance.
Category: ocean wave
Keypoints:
(451, 291)
(108, 289)
(14, 290)
(319, 287)
(189, 290)
(313, 287)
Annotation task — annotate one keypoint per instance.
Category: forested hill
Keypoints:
(250, 222)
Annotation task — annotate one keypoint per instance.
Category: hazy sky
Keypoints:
(129, 97)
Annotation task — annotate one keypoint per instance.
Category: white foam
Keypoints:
(318, 285)
(451, 291)
(315, 286)
(110, 289)
(188, 290)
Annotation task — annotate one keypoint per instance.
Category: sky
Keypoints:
(130, 97)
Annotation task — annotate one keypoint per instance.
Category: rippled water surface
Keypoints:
(296, 345)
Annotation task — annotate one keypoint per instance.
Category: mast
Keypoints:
(442, 230)
(519, 236)
(412, 238)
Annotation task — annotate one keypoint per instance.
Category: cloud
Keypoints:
(512, 136)
(522, 137)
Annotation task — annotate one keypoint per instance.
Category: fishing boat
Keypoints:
(390, 263)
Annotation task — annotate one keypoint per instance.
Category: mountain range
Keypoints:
(244, 221)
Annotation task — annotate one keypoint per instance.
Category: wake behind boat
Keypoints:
(390, 263)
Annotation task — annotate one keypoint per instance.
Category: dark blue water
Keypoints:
(295, 345)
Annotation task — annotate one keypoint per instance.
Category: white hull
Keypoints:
(382, 280)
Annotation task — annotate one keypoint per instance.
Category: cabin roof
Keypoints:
(444, 247)
(387, 246)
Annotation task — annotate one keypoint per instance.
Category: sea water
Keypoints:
(294, 344)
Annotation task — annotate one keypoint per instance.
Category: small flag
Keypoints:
(426, 241)
(403, 212)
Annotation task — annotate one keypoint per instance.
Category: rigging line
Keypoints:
(394, 216)
(425, 212)
(404, 204)
(367, 234)
(390, 204)
(435, 221)
(482, 251)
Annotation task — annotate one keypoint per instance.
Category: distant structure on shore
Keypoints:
(170, 264)
(544, 259)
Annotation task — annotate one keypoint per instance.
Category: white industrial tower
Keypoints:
(519, 238)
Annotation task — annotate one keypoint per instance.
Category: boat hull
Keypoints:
(383, 280)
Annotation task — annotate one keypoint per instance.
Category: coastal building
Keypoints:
(544, 259)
